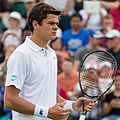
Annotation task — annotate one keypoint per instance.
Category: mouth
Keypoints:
(54, 33)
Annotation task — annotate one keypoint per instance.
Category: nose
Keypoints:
(55, 27)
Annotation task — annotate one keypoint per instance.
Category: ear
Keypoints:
(35, 24)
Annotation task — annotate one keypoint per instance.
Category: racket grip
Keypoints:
(82, 117)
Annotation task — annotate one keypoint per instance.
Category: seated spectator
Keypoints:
(113, 42)
(111, 106)
(95, 41)
(75, 37)
(14, 22)
(68, 78)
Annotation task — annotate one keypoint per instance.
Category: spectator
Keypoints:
(107, 23)
(95, 40)
(91, 20)
(111, 106)
(68, 78)
(114, 45)
(75, 37)
(14, 22)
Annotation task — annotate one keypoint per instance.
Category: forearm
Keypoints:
(106, 108)
(69, 5)
(19, 105)
(111, 5)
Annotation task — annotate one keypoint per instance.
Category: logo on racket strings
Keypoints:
(41, 112)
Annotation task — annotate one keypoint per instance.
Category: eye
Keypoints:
(53, 23)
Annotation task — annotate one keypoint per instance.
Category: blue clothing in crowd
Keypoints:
(75, 41)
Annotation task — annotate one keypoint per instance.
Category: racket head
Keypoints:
(97, 73)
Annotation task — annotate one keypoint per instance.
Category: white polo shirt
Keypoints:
(33, 70)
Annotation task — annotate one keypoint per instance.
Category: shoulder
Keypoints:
(81, 50)
(19, 54)
(60, 76)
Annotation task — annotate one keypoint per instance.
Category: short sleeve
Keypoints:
(78, 55)
(16, 70)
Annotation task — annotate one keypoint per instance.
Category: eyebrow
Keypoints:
(52, 22)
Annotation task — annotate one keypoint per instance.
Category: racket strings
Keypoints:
(97, 73)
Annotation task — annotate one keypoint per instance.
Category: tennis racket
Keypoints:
(96, 75)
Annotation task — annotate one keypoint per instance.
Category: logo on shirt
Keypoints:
(13, 78)
(41, 112)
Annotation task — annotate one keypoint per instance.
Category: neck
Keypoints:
(116, 49)
(117, 92)
(67, 74)
(39, 41)
(75, 30)
(91, 47)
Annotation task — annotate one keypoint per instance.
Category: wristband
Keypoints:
(41, 111)
(68, 104)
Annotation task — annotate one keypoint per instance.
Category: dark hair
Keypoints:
(40, 12)
(68, 60)
(76, 15)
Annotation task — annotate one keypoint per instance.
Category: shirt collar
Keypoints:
(34, 46)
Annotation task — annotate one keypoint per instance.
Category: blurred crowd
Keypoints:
(79, 32)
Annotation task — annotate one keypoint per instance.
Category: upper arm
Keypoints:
(16, 70)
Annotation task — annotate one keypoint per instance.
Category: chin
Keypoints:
(53, 37)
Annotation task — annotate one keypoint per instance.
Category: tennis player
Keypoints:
(31, 82)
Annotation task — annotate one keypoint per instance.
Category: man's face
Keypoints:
(107, 24)
(67, 67)
(14, 23)
(113, 42)
(75, 23)
(49, 27)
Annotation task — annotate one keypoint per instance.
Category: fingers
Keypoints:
(61, 104)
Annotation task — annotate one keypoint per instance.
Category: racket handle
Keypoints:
(82, 117)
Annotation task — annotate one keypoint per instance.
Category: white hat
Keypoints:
(15, 15)
(27, 1)
(105, 63)
(98, 34)
(113, 33)
(90, 66)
